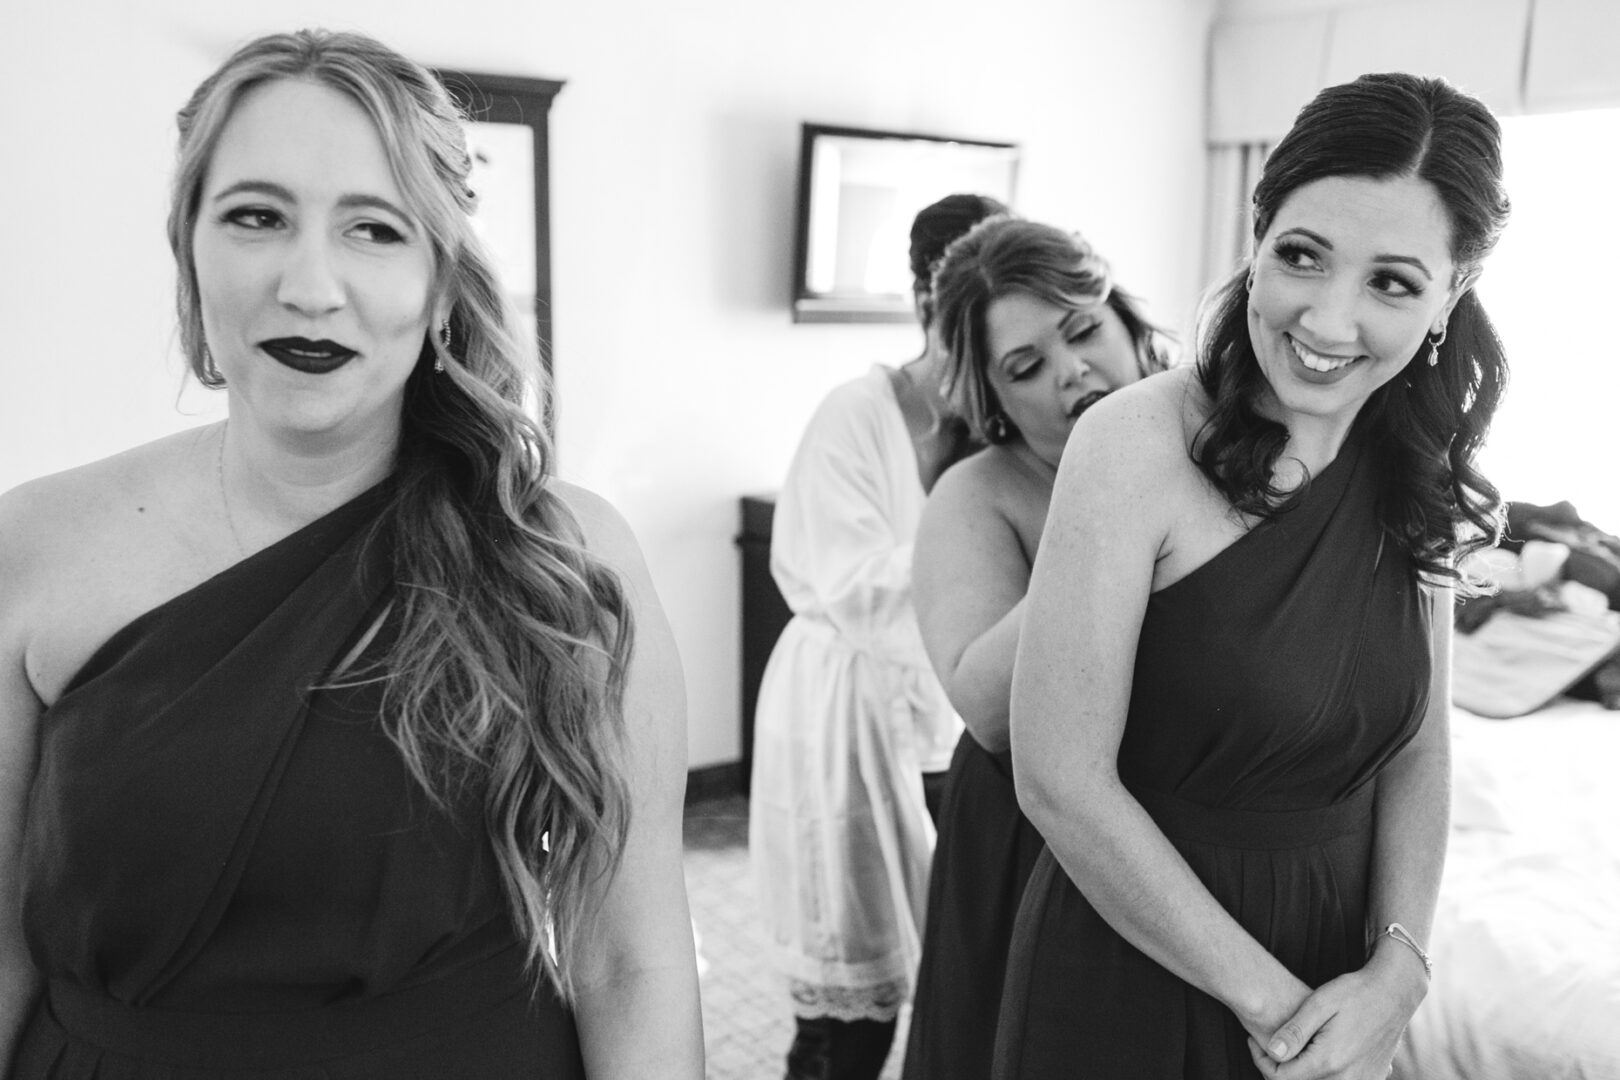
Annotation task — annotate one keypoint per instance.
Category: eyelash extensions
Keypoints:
(1287, 251)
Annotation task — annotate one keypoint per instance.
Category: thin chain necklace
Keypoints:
(224, 497)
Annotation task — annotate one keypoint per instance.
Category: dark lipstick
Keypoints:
(1085, 403)
(310, 357)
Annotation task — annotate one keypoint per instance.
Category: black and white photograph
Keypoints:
(869, 540)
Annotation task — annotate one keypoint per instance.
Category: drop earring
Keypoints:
(444, 337)
(1434, 346)
(996, 428)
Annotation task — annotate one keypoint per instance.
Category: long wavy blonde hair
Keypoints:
(510, 641)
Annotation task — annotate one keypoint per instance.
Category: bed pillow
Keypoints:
(1514, 664)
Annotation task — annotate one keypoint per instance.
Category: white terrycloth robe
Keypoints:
(849, 716)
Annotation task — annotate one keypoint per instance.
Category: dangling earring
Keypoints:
(444, 336)
(995, 428)
(1434, 346)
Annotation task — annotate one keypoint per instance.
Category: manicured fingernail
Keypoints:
(1278, 1048)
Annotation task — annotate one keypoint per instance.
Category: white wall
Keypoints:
(682, 382)
(1518, 56)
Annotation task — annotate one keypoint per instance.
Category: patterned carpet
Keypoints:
(747, 1024)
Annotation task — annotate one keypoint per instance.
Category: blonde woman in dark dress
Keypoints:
(339, 738)
(1038, 332)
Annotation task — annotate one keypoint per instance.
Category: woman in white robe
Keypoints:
(850, 714)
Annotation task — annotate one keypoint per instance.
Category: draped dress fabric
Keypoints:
(984, 855)
(850, 714)
(229, 872)
(1271, 686)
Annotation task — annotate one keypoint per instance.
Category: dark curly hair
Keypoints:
(1429, 422)
(932, 231)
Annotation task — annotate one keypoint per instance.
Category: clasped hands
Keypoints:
(1346, 1029)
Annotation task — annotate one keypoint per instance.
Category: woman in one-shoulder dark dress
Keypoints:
(1229, 713)
(1273, 681)
(1038, 332)
(199, 820)
(338, 739)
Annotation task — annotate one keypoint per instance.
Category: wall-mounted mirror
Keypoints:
(509, 141)
(858, 192)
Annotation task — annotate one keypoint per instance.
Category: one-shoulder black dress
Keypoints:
(1271, 686)
(983, 856)
(227, 875)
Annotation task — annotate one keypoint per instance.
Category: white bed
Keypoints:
(1526, 942)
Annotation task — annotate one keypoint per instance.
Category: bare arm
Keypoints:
(20, 709)
(637, 979)
(1413, 808)
(969, 574)
(1115, 498)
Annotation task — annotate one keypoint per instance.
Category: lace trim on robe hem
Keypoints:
(880, 1002)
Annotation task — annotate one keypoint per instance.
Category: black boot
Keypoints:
(828, 1049)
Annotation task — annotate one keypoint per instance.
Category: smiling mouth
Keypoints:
(307, 356)
(1315, 360)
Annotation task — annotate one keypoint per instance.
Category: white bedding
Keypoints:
(1526, 941)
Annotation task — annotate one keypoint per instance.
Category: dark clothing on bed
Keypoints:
(1271, 686)
(226, 874)
(984, 853)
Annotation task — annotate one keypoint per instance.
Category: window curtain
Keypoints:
(1234, 169)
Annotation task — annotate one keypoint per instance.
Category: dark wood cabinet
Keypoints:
(764, 612)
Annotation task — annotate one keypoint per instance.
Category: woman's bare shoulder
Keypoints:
(1165, 398)
(1145, 428)
(609, 538)
(85, 499)
(1128, 466)
(994, 483)
(603, 530)
(599, 521)
(83, 550)
(53, 523)
(973, 481)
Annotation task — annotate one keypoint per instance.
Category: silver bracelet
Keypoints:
(1400, 934)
